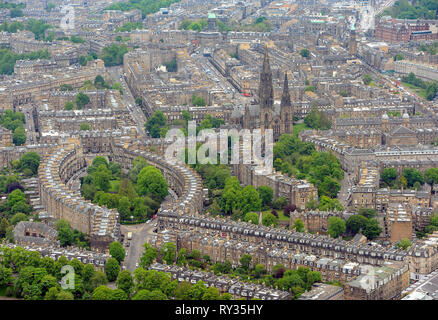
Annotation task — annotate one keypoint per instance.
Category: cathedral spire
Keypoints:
(266, 65)
(285, 98)
(266, 90)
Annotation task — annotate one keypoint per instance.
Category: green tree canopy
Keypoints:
(336, 227)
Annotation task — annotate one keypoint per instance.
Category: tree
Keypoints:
(250, 200)
(97, 279)
(412, 176)
(197, 291)
(329, 187)
(99, 82)
(398, 57)
(198, 101)
(119, 294)
(269, 219)
(403, 181)
(182, 255)
(266, 194)
(154, 123)
(19, 136)
(151, 181)
(117, 251)
(18, 217)
(298, 225)
(182, 290)
(367, 213)
(4, 224)
(117, 86)
(404, 243)
(101, 178)
(372, 229)
(168, 252)
(69, 106)
(102, 293)
(336, 227)
(139, 102)
(16, 12)
(259, 271)
(389, 175)
(124, 208)
(288, 209)
(125, 282)
(127, 189)
(142, 295)
(51, 294)
(214, 209)
(82, 100)
(113, 54)
(231, 195)
(328, 204)
(212, 293)
(5, 276)
(65, 236)
(253, 217)
(279, 203)
(112, 269)
(245, 261)
(367, 79)
(305, 53)
(356, 223)
(431, 176)
(84, 126)
(65, 295)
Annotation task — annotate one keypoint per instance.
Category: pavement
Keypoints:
(141, 233)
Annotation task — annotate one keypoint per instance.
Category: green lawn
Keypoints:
(420, 91)
(280, 213)
(298, 127)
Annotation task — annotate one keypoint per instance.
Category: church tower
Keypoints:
(352, 48)
(286, 113)
(266, 92)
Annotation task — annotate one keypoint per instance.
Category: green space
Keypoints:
(429, 89)
(129, 26)
(14, 121)
(137, 194)
(113, 54)
(419, 9)
(16, 207)
(197, 25)
(261, 24)
(146, 6)
(431, 49)
(295, 281)
(299, 127)
(9, 58)
(300, 159)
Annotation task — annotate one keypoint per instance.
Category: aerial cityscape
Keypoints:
(218, 150)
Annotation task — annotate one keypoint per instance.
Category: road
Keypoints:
(138, 116)
(141, 233)
(344, 193)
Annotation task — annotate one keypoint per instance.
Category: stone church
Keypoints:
(267, 114)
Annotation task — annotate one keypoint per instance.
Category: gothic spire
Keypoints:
(285, 98)
(266, 90)
(266, 65)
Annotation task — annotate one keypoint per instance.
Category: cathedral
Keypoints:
(267, 114)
